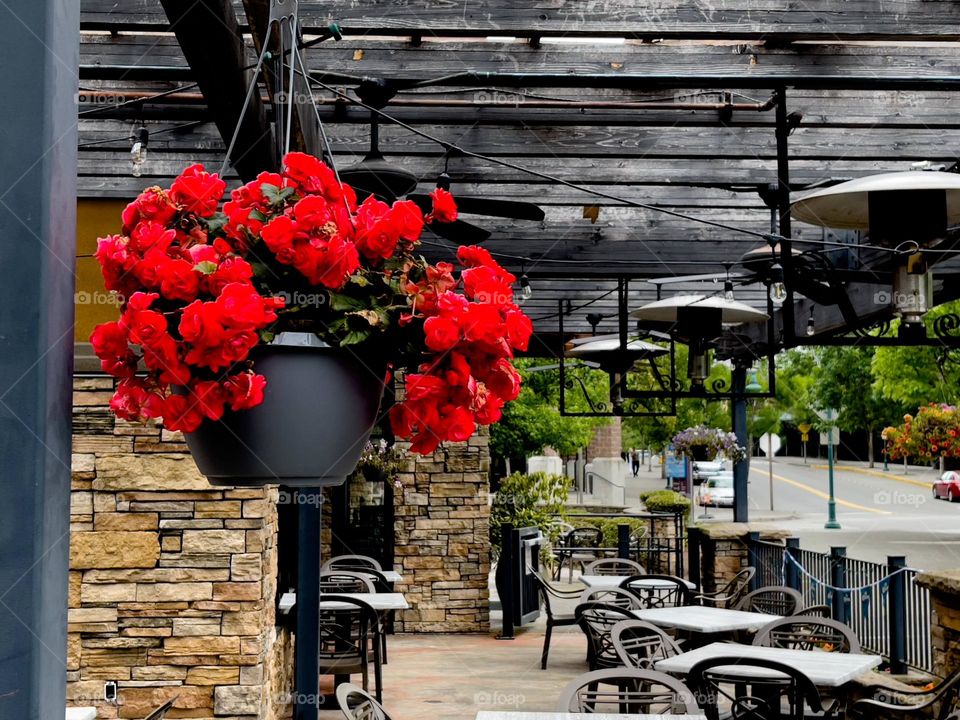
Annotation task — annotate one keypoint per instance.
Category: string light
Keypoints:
(526, 292)
(778, 290)
(811, 326)
(138, 153)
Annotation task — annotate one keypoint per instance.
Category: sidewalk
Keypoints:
(919, 475)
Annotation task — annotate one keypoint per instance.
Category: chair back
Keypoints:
(815, 611)
(345, 632)
(658, 590)
(548, 591)
(612, 596)
(640, 644)
(737, 586)
(772, 600)
(583, 537)
(357, 704)
(808, 633)
(596, 619)
(627, 691)
(345, 581)
(161, 711)
(614, 566)
(752, 689)
(350, 562)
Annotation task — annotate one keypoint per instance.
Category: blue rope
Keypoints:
(883, 583)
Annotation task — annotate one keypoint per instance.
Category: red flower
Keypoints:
(181, 413)
(117, 264)
(149, 234)
(473, 256)
(111, 345)
(444, 208)
(503, 380)
(519, 329)
(152, 204)
(407, 219)
(441, 333)
(210, 397)
(178, 279)
(198, 191)
(459, 425)
(133, 400)
(231, 270)
(245, 390)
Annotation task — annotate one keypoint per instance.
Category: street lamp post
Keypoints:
(831, 523)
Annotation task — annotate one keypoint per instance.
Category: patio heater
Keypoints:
(699, 320)
(909, 212)
(613, 358)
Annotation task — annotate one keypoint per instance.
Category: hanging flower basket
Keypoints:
(932, 434)
(702, 443)
(205, 290)
(318, 409)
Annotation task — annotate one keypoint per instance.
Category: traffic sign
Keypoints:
(828, 414)
(831, 436)
(771, 442)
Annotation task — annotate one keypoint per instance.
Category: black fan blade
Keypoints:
(460, 232)
(486, 206)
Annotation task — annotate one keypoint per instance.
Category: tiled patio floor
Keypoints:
(451, 677)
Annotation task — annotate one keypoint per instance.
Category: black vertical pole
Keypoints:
(753, 559)
(791, 576)
(741, 470)
(693, 555)
(623, 541)
(783, 209)
(897, 614)
(838, 578)
(39, 58)
(307, 676)
(506, 579)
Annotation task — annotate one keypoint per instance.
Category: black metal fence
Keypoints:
(882, 603)
(660, 549)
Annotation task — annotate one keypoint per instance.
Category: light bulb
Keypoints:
(728, 290)
(811, 325)
(778, 290)
(138, 153)
(526, 292)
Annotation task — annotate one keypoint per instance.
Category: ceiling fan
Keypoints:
(375, 175)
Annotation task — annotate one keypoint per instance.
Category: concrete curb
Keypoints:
(874, 473)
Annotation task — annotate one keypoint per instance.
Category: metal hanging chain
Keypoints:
(254, 81)
(291, 104)
(826, 586)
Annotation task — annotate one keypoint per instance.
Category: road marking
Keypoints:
(825, 496)
(875, 473)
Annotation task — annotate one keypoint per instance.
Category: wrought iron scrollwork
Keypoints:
(720, 385)
(596, 406)
(946, 326)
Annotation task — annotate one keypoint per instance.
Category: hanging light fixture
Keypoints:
(898, 210)
(811, 325)
(699, 320)
(138, 153)
(753, 386)
(778, 289)
(526, 292)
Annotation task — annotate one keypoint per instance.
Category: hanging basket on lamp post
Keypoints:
(701, 443)
(263, 330)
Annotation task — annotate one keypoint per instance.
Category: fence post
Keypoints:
(506, 581)
(897, 614)
(623, 541)
(693, 555)
(791, 575)
(679, 531)
(753, 559)
(838, 578)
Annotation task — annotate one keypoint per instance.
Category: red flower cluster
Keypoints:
(199, 288)
(190, 308)
(467, 376)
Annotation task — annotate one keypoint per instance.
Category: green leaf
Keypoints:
(359, 280)
(271, 193)
(216, 223)
(206, 267)
(256, 214)
(344, 303)
(267, 336)
(355, 336)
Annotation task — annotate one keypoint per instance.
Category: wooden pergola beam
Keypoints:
(209, 35)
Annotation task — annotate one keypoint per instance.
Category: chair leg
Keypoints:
(546, 646)
(383, 644)
(378, 672)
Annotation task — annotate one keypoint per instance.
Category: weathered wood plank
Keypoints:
(678, 18)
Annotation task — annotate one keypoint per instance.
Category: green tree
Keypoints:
(912, 376)
(843, 379)
(533, 421)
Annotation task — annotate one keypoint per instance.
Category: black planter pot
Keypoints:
(318, 409)
(700, 453)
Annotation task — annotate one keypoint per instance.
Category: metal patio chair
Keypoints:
(356, 704)
(350, 640)
(730, 594)
(640, 644)
(772, 600)
(560, 611)
(671, 591)
(628, 691)
(941, 702)
(612, 596)
(614, 566)
(597, 619)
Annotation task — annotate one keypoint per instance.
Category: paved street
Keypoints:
(880, 513)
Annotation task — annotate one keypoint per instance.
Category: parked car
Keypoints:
(947, 486)
(707, 468)
(718, 490)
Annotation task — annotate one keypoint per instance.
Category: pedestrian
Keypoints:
(635, 460)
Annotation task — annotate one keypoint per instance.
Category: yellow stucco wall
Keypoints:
(95, 218)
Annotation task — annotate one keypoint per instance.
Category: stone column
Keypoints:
(944, 586)
(724, 551)
(603, 458)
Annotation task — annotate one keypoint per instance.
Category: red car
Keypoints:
(947, 486)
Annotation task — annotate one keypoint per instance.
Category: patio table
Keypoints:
(824, 669)
(707, 620)
(381, 602)
(612, 581)
(516, 715)
(81, 713)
